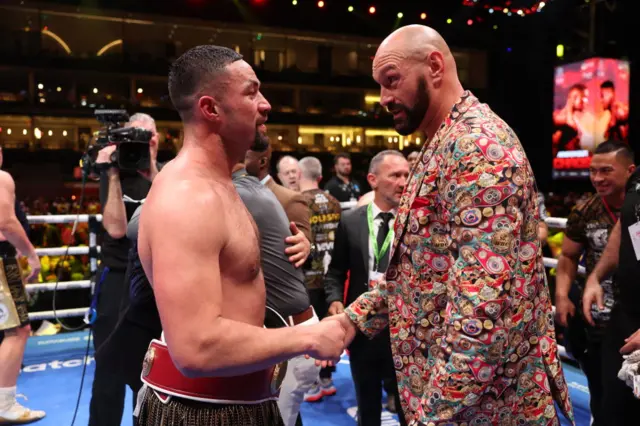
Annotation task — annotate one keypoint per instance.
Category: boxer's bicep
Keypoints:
(185, 248)
(7, 196)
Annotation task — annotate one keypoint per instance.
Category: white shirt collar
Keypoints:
(265, 180)
(375, 210)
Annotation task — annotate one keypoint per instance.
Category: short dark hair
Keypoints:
(193, 70)
(578, 86)
(621, 149)
(607, 85)
(341, 155)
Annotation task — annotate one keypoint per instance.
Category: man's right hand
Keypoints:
(565, 309)
(327, 341)
(593, 293)
(34, 265)
(336, 308)
(104, 155)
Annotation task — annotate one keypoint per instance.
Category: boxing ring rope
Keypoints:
(93, 251)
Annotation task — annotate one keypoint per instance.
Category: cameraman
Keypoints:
(121, 193)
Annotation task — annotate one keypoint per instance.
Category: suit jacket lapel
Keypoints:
(364, 239)
(410, 193)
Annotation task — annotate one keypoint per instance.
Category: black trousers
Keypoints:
(372, 364)
(109, 389)
(319, 302)
(127, 348)
(618, 405)
(586, 343)
(591, 365)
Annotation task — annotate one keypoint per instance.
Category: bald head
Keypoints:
(417, 75)
(414, 42)
(289, 172)
(311, 173)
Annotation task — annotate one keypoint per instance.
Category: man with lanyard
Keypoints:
(587, 232)
(361, 248)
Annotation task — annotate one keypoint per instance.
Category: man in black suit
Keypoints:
(362, 244)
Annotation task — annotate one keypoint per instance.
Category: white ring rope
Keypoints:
(552, 222)
(61, 251)
(60, 313)
(64, 285)
(62, 218)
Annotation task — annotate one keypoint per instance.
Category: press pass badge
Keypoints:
(634, 232)
(374, 277)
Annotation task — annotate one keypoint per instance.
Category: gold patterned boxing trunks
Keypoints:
(13, 295)
(186, 412)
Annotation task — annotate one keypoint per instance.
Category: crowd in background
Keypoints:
(77, 267)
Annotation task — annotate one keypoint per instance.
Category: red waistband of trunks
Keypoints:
(160, 373)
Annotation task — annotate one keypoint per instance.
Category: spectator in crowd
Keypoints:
(121, 192)
(341, 186)
(413, 158)
(361, 249)
(325, 213)
(257, 160)
(621, 335)
(587, 232)
(289, 172)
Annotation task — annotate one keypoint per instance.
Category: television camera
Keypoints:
(132, 144)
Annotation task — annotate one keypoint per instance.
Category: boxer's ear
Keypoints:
(208, 108)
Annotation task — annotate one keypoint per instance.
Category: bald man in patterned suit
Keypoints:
(464, 296)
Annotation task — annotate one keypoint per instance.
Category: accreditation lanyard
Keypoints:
(606, 206)
(378, 252)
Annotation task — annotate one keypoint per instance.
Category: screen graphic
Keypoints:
(591, 105)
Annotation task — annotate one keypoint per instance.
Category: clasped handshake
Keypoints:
(329, 338)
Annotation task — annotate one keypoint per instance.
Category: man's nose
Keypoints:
(264, 107)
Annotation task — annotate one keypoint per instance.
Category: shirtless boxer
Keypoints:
(199, 248)
(14, 318)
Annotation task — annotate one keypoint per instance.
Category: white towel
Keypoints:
(630, 372)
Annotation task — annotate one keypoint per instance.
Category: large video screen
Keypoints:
(591, 105)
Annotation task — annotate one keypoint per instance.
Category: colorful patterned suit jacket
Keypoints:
(469, 312)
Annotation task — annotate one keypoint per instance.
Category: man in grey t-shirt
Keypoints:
(286, 289)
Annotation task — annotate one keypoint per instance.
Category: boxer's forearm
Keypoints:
(17, 237)
(233, 348)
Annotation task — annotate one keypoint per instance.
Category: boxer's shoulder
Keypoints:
(6, 180)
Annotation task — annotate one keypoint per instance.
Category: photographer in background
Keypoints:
(121, 193)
